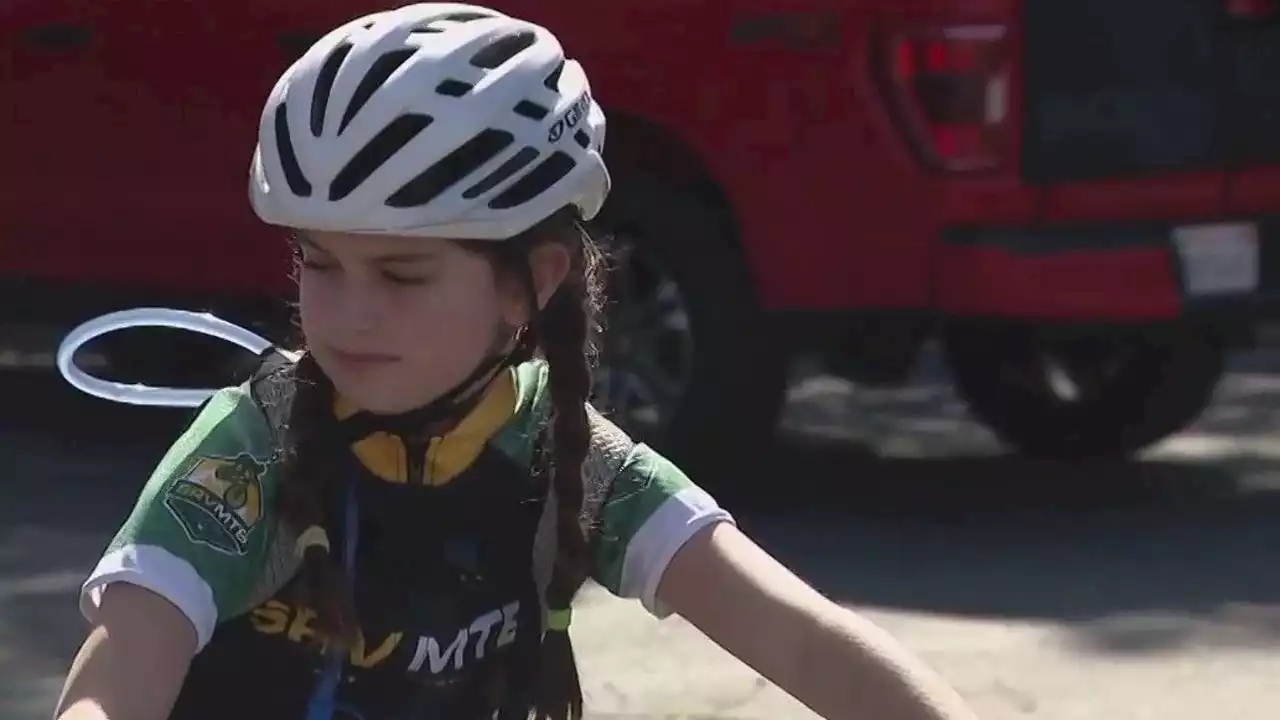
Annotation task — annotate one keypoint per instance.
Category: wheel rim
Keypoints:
(1075, 375)
(646, 359)
(1084, 391)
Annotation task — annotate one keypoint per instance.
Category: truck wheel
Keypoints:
(688, 363)
(1051, 394)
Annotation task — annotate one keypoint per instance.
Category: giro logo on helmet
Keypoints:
(570, 119)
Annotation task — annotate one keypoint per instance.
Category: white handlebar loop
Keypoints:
(202, 323)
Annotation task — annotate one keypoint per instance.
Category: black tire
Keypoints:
(738, 372)
(1135, 388)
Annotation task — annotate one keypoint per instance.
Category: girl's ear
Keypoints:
(550, 264)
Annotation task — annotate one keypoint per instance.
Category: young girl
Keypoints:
(393, 524)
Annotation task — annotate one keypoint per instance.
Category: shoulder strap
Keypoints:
(272, 389)
(609, 450)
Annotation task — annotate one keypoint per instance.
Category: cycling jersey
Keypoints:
(452, 562)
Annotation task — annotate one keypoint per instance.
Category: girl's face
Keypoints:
(395, 322)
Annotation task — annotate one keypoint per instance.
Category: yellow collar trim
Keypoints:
(447, 456)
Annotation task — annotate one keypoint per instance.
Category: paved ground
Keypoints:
(1132, 591)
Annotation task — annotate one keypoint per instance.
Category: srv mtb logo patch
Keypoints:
(219, 501)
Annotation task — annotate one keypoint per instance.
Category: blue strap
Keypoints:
(323, 700)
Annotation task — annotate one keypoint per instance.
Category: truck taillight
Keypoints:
(949, 87)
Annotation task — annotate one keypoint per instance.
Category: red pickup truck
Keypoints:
(1078, 198)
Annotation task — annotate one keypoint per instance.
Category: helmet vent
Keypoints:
(372, 80)
(385, 144)
(442, 23)
(293, 174)
(454, 88)
(553, 80)
(531, 110)
(503, 49)
(451, 169)
(512, 166)
(324, 86)
(461, 17)
(535, 182)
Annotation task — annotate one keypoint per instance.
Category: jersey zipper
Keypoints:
(415, 449)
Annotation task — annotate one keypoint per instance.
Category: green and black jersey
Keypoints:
(450, 567)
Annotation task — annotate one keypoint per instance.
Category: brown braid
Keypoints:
(305, 483)
(565, 329)
(565, 332)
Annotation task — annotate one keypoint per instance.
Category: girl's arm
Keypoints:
(186, 556)
(134, 661)
(830, 658)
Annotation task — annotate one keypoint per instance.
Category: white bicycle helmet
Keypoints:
(433, 120)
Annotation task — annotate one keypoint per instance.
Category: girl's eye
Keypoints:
(404, 279)
(312, 264)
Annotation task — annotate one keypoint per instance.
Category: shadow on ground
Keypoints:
(894, 499)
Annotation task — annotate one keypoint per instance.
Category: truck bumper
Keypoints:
(1131, 273)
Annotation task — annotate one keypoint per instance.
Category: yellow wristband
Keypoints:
(558, 620)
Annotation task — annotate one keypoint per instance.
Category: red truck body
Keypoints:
(127, 149)
(1017, 159)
